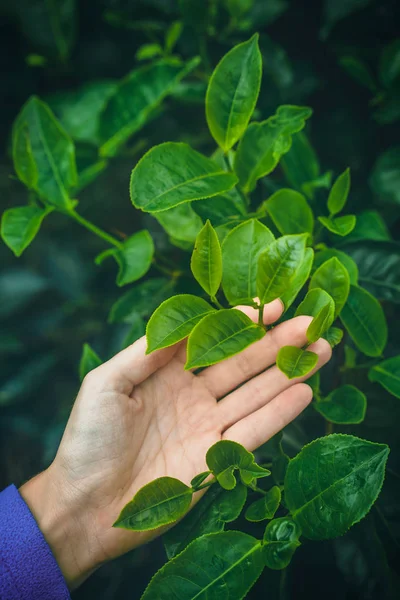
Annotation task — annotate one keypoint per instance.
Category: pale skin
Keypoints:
(138, 417)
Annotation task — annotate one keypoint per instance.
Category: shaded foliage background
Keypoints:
(54, 299)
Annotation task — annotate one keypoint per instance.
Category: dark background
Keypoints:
(54, 298)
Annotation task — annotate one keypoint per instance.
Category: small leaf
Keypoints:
(229, 562)
(332, 484)
(240, 252)
(264, 143)
(20, 225)
(321, 322)
(224, 457)
(300, 164)
(219, 335)
(158, 503)
(339, 225)
(359, 71)
(174, 319)
(265, 507)
(344, 258)
(365, 321)
(339, 193)
(281, 539)
(334, 336)
(278, 264)
(332, 277)
(315, 300)
(370, 225)
(148, 51)
(299, 279)
(173, 173)
(387, 373)
(198, 479)
(345, 405)
(173, 34)
(89, 361)
(134, 257)
(295, 362)
(290, 212)
(232, 93)
(206, 262)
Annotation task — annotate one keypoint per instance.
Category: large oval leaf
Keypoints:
(281, 538)
(173, 173)
(20, 225)
(264, 143)
(387, 373)
(290, 212)
(240, 252)
(344, 406)
(158, 503)
(174, 319)
(332, 277)
(278, 264)
(232, 93)
(365, 321)
(299, 279)
(295, 362)
(346, 261)
(214, 566)
(224, 457)
(206, 262)
(220, 335)
(333, 482)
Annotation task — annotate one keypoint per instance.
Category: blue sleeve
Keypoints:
(28, 569)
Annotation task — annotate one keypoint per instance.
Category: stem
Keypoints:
(94, 229)
(328, 428)
(205, 485)
(261, 315)
(259, 490)
(216, 302)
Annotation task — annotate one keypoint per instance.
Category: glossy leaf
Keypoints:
(333, 482)
(199, 479)
(134, 257)
(295, 362)
(219, 335)
(43, 154)
(241, 249)
(339, 225)
(89, 361)
(290, 212)
(229, 562)
(321, 322)
(180, 222)
(277, 266)
(174, 319)
(345, 405)
(158, 503)
(173, 173)
(135, 99)
(265, 507)
(339, 193)
(281, 539)
(209, 515)
(20, 225)
(232, 93)
(334, 336)
(206, 262)
(299, 279)
(365, 321)
(387, 373)
(345, 259)
(264, 143)
(225, 457)
(142, 300)
(332, 277)
(315, 300)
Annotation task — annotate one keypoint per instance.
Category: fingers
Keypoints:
(262, 389)
(260, 426)
(226, 376)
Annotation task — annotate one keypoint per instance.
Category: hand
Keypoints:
(140, 417)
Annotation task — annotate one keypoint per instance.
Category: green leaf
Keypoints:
(299, 279)
(43, 154)
(300, 164)
(334, 336)
(220, 335)
(217, 507)
(137, 330)
(339, 193)
(89, 361)
(344, 258)
(173, 34)
(369, 226)
(214, 566)
(281, 539)
(359, 71)
(135, 100)
(141, 300)
(332, 483)
(295, 362)
(332, 277)
(221, 209)
(198, 479)
(321, 322)
(387, 373)
(174, 319)
(339, 225)
(338, 10)
(290, 212)
(20, 225)
(158, 503)
(134, 257)
(277, 266)
(264, 143)
(379, 268)
(173, 173)
(180, 222)
(241, 249)
(345, 405)
(206, 262)
(225, 457)
(265, 507)
(365, 321)
(232, 93)
(148, 51)
(389, 66)
(385, 176)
